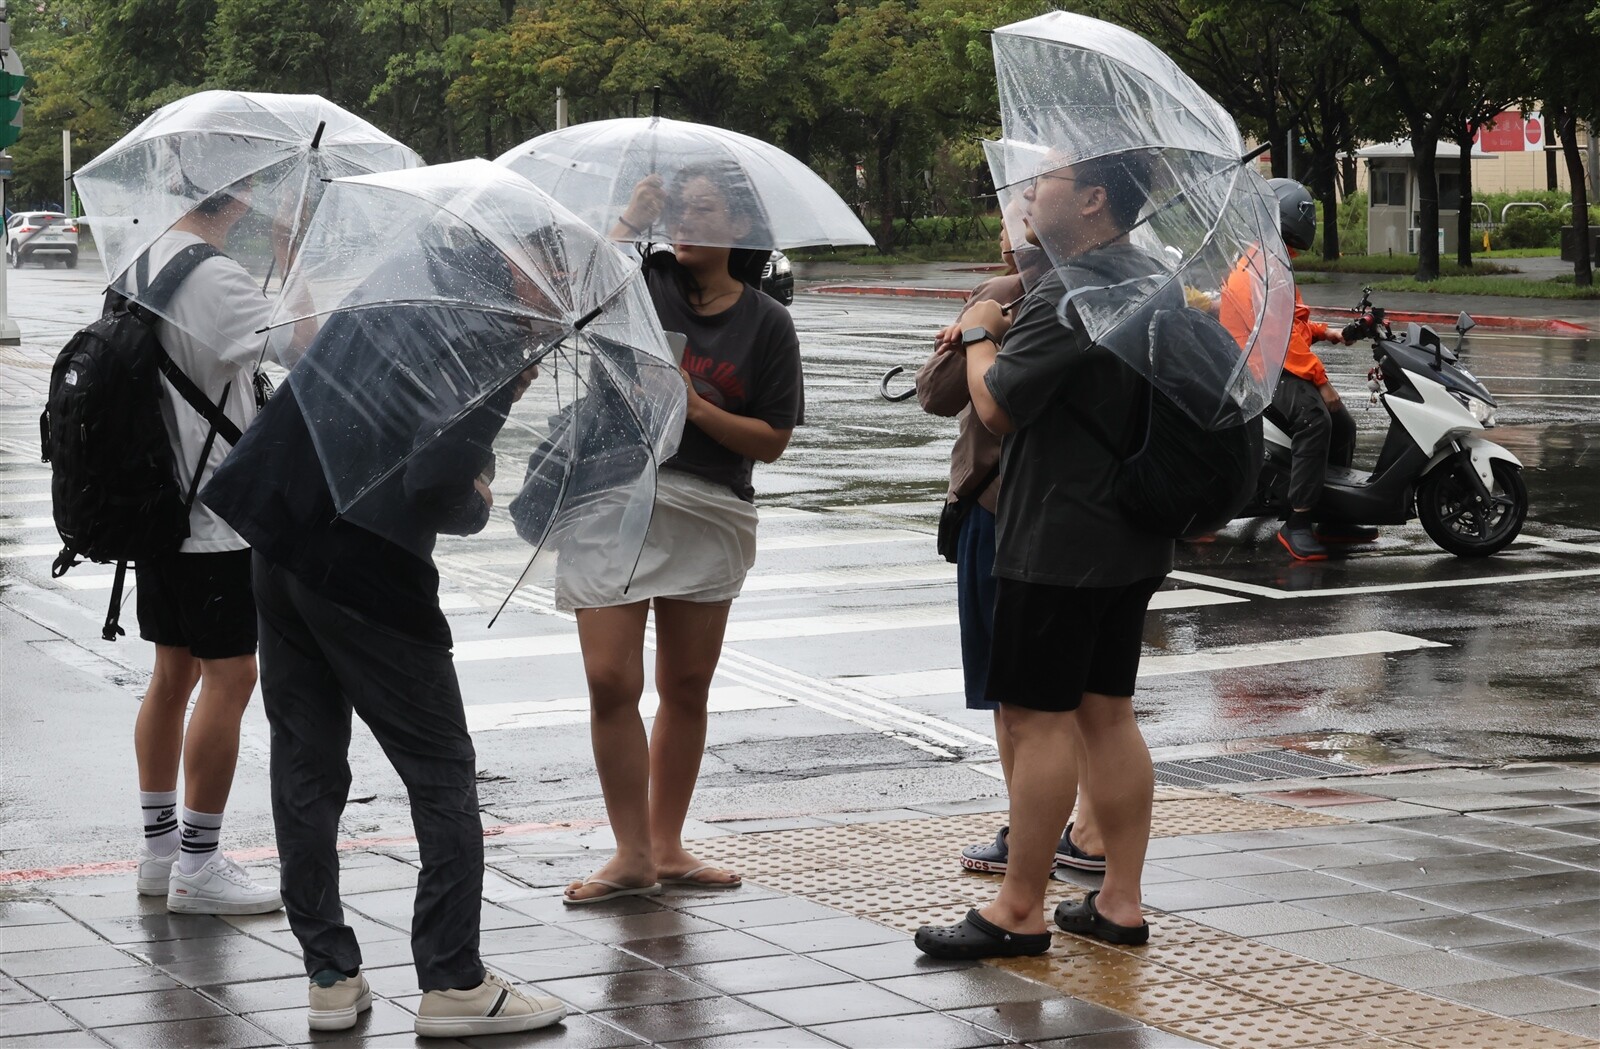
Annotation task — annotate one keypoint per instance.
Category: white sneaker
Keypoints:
(220, 887)
(492, 1007)
(155, 871)
(336, 1006)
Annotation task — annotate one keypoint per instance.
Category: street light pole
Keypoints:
(66, 176)
(10, 334)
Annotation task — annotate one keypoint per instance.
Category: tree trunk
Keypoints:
(1326, 181)
(1583, 265)
(1427, 207)
(1464, 214)
(886, 201)
(1277, 134)
(1347, 173)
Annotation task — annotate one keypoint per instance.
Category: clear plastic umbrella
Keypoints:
(1085, 102)
(274, 153)
(772, 200)
(461, 300)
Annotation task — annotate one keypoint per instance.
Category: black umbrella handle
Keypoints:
(883, 386)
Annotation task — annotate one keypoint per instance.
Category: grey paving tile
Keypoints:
(1228, 865)
(1381, 811)
(516, 940)
(1426, 970)
(1166, 848)
(1551, 918)
(1350, 833)
(969, 805)
(1536, 957)
(551, 909)
(1510, 892)
(384, 1018)
(701, 1018)
(878, 816)
(99, 982)
(1251, 840)
(1589, 978)
(143, 1007)
(1517, 996)
(754, 913)
(236, 969)
(1421, 847)
(924, 1030)
(1446, 870)
(56, 1040)
(746, 975)
(1577, 855)
(575, 1032)
(641, 926)
(1584, 1021)
(1352, 854)
(21, 912)
(65, 960)
(1197, 894)
(1339, 945)
(1514, 836)
(696, 948)
(828, 934)
(288, 992)
(117, 905)
(775, 823)
(1588, 829)
(968, 988)
(1555, 796)
(32, 1018)
(850, 1001)
(15, 939)
(13, 993)
(577, 961)
(1142, 1038)
(147, 928)
(1294, 885)
(1456, 930)
(1539, 815)
(881, 961)
(1053, 1017)
(212, 1032)
(1373, 908)
(627, 989)
(1258, 919)
(782, 1038)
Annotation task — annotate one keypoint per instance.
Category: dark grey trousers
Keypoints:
(319, 661)
(1317, 437)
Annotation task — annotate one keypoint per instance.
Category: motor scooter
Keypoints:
(1435, 464)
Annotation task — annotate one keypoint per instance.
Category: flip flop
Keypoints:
(615, 890)
(688, 878)
(1083, 920)
(977, 937)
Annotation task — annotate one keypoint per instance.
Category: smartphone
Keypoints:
(677, 342)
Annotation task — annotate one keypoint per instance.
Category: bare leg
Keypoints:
(158, 729)
(1043, 782)
(1002, 740)
(1085, 828)
(1118, 764)
(688, 645)
(211, 746)
(612, 640)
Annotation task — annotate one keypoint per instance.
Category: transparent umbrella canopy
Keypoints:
(768, 199)
(461, 300)
(271, 153)
(1085, 102)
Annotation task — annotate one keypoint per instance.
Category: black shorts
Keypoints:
(202, 602)
(1054, 643)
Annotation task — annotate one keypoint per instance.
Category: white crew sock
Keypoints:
(160, 809)
(200, 833)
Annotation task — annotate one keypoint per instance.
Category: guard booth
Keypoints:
(1394, 210)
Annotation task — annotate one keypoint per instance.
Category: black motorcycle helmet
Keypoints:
(1297, 213)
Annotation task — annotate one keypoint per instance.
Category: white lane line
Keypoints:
(30, 550)
(1228, 657)
(498, 717)
(24, 497)
(842, 537)
(842, 578)
(1388, 588)
(928, 508)
(9, 477)
(1561, 544)
(784, 513)
(22, 524)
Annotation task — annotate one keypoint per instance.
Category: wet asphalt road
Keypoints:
(837, 685)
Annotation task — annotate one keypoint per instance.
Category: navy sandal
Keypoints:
(976, 937)
(1069, 855)
(1083, 920)
(991, 858)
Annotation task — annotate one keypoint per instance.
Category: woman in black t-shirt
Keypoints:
(741, 372)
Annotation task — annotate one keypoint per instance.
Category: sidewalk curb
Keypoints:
(1550, 326)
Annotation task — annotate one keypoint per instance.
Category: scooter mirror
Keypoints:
(1465, 323)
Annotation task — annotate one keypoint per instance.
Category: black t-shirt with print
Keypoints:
(744, 360)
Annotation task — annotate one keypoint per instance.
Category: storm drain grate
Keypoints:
(1245, 768)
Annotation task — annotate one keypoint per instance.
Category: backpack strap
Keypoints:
(213, 414)
(112, 628)
(155, 298)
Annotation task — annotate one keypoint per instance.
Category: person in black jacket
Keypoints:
(350, 621)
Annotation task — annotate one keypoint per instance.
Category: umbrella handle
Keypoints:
(883, 386)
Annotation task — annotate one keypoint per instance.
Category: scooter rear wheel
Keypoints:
(1448, 509)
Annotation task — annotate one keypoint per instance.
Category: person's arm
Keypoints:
(942, 380)
(980, 360)
(750, 437)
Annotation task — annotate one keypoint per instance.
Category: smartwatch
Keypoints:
(979, 334)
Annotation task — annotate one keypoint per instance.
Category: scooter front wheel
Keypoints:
(1448, 507)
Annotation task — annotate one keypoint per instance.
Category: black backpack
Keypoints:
(1185, 480)
(117, 493)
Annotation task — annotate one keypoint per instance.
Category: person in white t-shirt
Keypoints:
(197, 606)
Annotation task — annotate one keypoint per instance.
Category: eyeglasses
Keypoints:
(1033, 183)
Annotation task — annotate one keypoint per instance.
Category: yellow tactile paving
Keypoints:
(1194, 980)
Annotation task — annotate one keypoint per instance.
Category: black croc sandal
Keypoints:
(977, 937)
(1083, 920)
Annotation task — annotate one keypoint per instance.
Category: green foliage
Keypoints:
(1528, 228)
(1349, 263)
(1560, 288)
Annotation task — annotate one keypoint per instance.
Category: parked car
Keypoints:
(777, 279)
(43, 235)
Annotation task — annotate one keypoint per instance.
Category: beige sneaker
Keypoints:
(337, 1000)
(492, 1007)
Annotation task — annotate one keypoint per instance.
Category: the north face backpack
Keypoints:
(117, 493)
(1185, 480)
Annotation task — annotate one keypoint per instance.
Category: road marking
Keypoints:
(1255, 590)
(7, 477)
(497, 717)
(24, 497)
(30, 550)
(927, 508)
(1227, 657)
(844, 578)
(1562, 544)
(842, 537)
(22, 524)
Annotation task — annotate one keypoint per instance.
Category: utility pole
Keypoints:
(66, 176)
(561, 108)
(11, 81)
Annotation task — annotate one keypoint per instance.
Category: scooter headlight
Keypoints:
(1481, 410)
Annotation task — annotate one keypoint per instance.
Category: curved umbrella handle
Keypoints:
(883, 386)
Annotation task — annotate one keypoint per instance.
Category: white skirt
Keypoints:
(699, 547)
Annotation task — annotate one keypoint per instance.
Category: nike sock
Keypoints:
(200, 833)
(160, 820)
